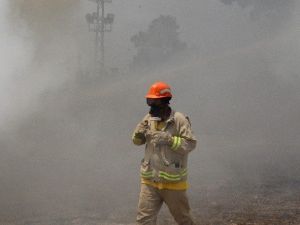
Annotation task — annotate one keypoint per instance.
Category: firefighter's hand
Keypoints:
(142, 129)
(139, 135)
(159, 138)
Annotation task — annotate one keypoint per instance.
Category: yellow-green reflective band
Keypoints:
(150, 172)
(184, 174)
(169, 175)
(169, 178)
(176, 143)
(173, 177)
(175, 140)
(147, 174)
(183, 171)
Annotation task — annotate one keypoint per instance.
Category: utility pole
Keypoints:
(99, 23)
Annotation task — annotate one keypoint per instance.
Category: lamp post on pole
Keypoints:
(100, 24)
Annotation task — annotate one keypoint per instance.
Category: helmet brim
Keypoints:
(157, 97)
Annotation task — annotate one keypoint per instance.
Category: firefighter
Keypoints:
(168, 139)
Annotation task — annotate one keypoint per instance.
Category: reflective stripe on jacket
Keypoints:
(166, 163)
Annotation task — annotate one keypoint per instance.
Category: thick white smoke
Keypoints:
(34, 56)
(15, 57)
(71, 153)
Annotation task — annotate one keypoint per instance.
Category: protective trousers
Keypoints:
(151, 200)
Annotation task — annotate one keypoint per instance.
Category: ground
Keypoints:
(268, 204)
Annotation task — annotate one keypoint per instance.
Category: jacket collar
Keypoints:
(170, 119)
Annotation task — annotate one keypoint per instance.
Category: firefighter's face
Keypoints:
(157, 107)
(154, 102)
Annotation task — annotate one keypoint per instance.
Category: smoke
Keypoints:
(65, 143)
(265, 7)
(15, 56)
(43, 16)
(269, 13)
(39, 52)
(40, 45)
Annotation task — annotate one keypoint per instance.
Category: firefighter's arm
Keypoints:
(138, 136)
(185, 141)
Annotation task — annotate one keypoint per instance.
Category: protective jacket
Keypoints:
(166, 163)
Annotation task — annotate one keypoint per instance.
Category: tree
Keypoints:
(159, 43)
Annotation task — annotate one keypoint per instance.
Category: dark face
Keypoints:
(154, 102)
(159, 107)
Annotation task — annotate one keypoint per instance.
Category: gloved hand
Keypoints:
(143, 127)
(141, 130)
(159, 137)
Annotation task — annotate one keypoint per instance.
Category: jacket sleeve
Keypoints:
(185, 141)
(138, 136)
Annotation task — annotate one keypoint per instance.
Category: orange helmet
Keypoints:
(159, 90)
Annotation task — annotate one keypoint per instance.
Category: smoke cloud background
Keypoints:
(65, 144)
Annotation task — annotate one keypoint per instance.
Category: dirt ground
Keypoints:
(264, 205)
(268, 204)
